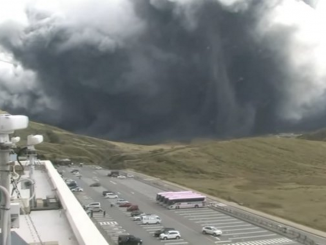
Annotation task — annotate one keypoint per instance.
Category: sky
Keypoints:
(160, 70)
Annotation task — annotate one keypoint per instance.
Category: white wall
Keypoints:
(84, 229)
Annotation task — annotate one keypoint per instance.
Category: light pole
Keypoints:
(8, 124)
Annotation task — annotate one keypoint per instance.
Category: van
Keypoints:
(152, 219)
(93, 205)
(132, 208)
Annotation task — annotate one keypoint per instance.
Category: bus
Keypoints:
(160, 196)
(166, 198)
(168, 195)
(189, 201)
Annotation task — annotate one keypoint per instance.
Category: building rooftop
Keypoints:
(51, 224)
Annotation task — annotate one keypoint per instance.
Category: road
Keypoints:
(188, 221)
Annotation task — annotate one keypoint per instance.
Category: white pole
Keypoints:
(5, 182)
(31, 173)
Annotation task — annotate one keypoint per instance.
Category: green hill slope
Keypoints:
(319, 135)
(280, 176)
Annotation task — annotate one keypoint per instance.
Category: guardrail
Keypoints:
(251, 218)
(263, 222)
(84, 229)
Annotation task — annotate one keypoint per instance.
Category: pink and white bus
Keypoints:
(185, 201)
(160, 196)
(166, 196)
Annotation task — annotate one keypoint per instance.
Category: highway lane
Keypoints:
(188, 221)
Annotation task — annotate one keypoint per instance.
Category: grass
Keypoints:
(280, 176)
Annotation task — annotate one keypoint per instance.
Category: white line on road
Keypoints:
(113, 182)
(174, 243)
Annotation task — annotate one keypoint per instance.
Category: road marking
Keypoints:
(113, 182)
(172, 240)
(112, 223)
(223, 241)
(174, 243)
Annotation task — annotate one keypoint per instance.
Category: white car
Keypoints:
(211, 230)
(98, 167)
(121, 177)
(78, 189)
(110, 195)
(130, 175)
(121, 201)
(170, 235)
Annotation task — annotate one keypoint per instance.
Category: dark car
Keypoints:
(113, 174)
(95, 184)
(132, 208)
(125, 205)
(129, 240)
(136, 213)
(157, 233)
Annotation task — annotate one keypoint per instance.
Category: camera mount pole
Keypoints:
(8, 125)
(5, 147)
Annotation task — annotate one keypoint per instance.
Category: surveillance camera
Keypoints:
(10, 123)
(34, 139)
(15, 140)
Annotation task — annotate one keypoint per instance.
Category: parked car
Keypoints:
(151, 219)
(130, 175)
(113, 174)
(98, 168)
(129, 240)
(125, 205)
(121, 201)
(132, 208)
(104, 192)
(95, 184)
(139, 217)
(121, 177)
(136, 213)
(110, 196)
(94, 209)
(170, 235)
(77, 189)
(157, 233)
(93, 204)
(211, 230)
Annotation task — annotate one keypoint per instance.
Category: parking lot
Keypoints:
(188, 221)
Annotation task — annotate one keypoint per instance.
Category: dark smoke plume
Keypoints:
(153, 70)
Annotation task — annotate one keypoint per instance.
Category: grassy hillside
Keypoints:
(280, 176)
(319, 135)
(59, 143)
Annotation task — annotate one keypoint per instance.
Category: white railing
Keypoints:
(84, 229)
